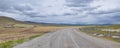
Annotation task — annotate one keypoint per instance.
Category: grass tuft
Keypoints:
(12, 43)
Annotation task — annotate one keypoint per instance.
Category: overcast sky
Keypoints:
(63, 11)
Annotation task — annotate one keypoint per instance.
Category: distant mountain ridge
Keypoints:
(4, 19)
(68, 24)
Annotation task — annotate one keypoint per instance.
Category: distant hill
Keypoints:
(61, 24)
(5, 21)
(8, 20)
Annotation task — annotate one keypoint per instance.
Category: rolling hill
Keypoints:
(8, 21)
(4, 19)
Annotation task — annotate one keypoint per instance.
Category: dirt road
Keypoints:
(68, 38)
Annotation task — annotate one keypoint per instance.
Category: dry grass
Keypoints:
(48, 28)
(12, 30)
(99, 31)
(24, 31)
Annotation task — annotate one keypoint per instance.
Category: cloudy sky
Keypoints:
(63, 11)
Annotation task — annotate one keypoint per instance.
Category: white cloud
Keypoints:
(106, 5)
(62, 11)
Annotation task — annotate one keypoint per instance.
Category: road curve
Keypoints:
(68, 38)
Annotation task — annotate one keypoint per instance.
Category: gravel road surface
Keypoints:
(68, 38)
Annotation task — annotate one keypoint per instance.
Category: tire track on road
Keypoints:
(68, 38)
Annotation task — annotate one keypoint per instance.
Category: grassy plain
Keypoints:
(13, 32)
(105, 32)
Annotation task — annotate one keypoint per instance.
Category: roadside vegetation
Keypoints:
(10, 37)
(106, 32)
(13, 32)
(11, 43)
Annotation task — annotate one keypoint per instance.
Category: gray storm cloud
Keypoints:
(63, 11)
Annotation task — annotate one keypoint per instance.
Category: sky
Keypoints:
(63, 11)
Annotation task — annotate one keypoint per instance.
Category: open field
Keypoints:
(16, 31)
(9, 35)
(106, 32)
(13, 32)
